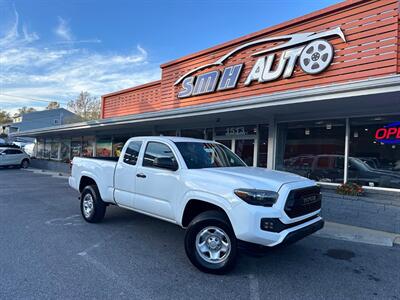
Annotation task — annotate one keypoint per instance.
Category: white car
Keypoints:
(13, 157)
(202, 186)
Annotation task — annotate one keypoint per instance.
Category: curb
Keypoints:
(358, 234)
(50, 173)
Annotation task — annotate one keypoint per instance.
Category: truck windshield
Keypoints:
(208, 155)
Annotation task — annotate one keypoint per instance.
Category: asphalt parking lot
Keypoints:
(48, 252)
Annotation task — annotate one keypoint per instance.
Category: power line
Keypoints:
(32, 99)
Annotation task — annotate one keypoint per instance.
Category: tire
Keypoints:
(25, 164)
(206, 229)
(92, 206)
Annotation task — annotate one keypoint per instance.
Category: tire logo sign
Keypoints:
(311, 51)
(316, 57)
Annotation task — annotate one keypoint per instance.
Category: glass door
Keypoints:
(244, 148)
(227, 143)
(241, 140)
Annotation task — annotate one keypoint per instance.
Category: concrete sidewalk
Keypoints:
(46, 172)
(358, 234)
(331, 230)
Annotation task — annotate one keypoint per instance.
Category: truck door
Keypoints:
(157, 181)
(125, 175)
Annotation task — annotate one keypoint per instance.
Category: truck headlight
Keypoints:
(257, 197)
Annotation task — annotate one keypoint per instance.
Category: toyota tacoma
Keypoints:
(205, 188)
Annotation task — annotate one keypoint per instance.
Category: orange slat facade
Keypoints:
(372, 49)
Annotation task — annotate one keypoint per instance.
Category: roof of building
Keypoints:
(47, 112)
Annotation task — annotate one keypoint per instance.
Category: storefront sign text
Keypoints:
(311, 50)
(389, 134)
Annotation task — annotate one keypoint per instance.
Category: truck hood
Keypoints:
(257, 178)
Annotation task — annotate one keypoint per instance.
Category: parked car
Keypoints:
(330, 168)
(13, 157)
(202, 186)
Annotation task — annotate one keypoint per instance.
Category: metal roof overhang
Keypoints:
(352, 97)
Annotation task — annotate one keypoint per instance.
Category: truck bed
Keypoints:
(101, 169)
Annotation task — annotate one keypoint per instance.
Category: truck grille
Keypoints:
(303, 201)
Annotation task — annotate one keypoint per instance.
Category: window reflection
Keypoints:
(103, 147)
(87, 146)
(263, 146)
(193, 133)
(371, 162)
(117, 145)
(76, 147)
(312, 149)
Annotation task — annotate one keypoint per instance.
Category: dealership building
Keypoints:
(318, 95)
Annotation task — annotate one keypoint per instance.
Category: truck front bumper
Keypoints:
(292, 237)
(250, 225)
(298, 234)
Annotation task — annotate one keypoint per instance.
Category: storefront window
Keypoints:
(263, 146)
(54, 149)
(193, 133)
(209, 134)
(117, 145)
(65, 150)
(76, 147)
(103, 147)
(167, 132)
(312, 149)
(87, 146)
(374, 152)
(47, 148)
(40, 148)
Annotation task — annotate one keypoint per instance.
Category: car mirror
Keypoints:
(165, 163)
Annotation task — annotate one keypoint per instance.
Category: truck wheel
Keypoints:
(93, 208)
(210, 243)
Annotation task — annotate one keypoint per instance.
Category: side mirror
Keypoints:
(165, 163)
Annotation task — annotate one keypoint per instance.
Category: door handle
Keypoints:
(141, 175)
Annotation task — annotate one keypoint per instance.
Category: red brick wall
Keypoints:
(398, 39)
(372, 49)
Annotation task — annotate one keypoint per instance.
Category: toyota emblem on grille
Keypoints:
(310, 199)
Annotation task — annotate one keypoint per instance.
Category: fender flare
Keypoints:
(210, 198)
(91, 176)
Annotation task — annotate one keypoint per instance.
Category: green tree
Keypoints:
(53, 105)
(85, 106)
(24, 110)
(5, 117)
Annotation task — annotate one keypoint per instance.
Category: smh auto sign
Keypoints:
(310, 50)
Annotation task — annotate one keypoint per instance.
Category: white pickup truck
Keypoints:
(202, 186)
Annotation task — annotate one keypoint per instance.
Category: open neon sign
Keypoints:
(389, 134)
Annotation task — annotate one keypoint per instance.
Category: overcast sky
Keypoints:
(53, 49)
